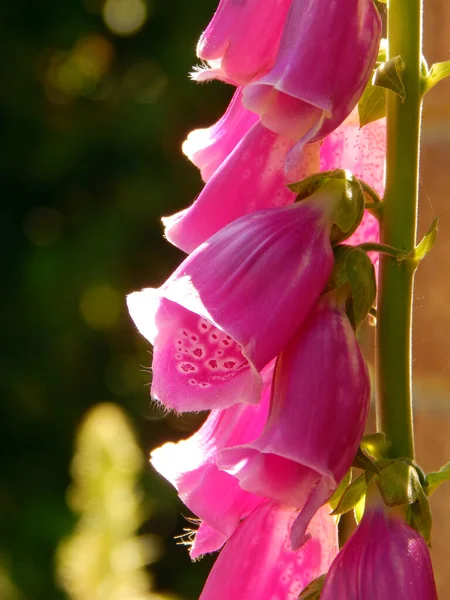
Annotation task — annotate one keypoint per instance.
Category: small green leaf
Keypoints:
(437, 72)
(358, 511)
(313, 590)
(397, 483)
(351, 496)
(372, 105)
(419, 513)
(434, 480)
(336, 497)
(389, 76)
(427, 241)
(361, 277)
(362, 461)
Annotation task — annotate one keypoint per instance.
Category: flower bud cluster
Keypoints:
(246, 327)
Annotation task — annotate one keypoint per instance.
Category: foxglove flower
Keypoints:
(216, 323)
(251, 178)
(312, 86)
(190, 465)
(208, 148)
(258, 562)
(384, 558)
(241, 40)
(319, 405)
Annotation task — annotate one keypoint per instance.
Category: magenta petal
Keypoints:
(213, 495)
(250, 179)
(218, 323)
(384, 558)
(243, 38)
(258, 563)
(349, 32)
(319, 405)
(208, 148)
(206, 540)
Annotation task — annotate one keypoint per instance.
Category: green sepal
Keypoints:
(434, 480)
(437, 72)
(354, 269)
(397, 482)
(364, 462)
(336, 497)
(353, 494)
(389, 76)
(419, 515)
(348, 210)
(313, 590)
(374, 445)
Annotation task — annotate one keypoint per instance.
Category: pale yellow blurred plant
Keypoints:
(104, 559)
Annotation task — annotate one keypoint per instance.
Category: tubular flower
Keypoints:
(190, 465)
(319, 405)
(208, 148)
(313, 87)
(215, 323)
(258, 562)
(251, 178)
(241, 40)
(384, 558)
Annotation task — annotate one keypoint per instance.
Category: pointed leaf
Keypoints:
(437, 72)
(351, 496)
(427, 241)
(434, 480)
(389, 76)
(313, 590)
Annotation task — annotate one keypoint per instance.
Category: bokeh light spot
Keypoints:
(100, 306)
(43, 225)
(125, 17)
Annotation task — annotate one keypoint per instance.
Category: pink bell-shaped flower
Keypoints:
(190, 465)
(319, 405)
(208, 148)
(241, 40)
(251, 178)
(383, 559)
(258, 563)
(216, 323)
(312, 86)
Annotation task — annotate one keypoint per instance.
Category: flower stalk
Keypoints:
(398, 226)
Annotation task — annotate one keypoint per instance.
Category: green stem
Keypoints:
(398, 229)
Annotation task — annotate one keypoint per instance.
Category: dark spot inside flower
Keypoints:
(198, 352)
(229, 364)
(213, 364)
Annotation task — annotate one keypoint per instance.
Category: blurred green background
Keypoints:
(95, 101)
